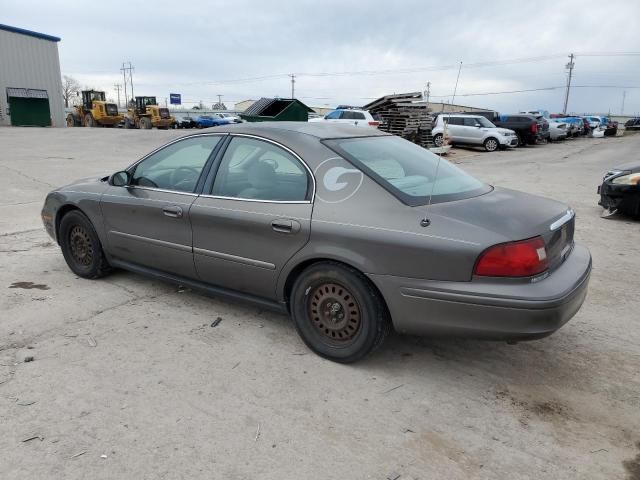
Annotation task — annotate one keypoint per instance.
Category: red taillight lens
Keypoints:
(513, 259)
(534, 128)
(374, 124)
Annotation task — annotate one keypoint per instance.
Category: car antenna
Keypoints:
(426, 221)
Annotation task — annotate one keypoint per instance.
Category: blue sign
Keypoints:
(175, 99)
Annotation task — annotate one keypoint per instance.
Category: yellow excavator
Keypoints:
(94, 111)
(147, 114)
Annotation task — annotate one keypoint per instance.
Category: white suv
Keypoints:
(473, 130)
(350, 116)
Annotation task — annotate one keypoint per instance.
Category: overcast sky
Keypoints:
(199, 49)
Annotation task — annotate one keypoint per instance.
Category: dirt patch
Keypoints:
(29, 285)
(550, 408)
(633, 466)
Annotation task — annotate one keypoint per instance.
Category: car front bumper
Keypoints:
(509, 142)
(623, 197)
(488, 308)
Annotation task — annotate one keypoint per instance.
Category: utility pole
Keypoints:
(570, 66)
(456, 87)
(293, 83)
(219, 100)
(624, 94)
(124, 80)
(129, 69)
(117, 87)
(426, 94)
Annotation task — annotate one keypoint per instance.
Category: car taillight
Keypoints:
(514, 259)
(534, 128)
(374, 124)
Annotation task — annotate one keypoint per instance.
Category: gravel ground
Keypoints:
(130, 381)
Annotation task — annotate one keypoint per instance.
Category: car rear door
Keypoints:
(147, 222)
(253, 216)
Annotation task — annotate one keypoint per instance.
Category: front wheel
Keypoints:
(438, 140)
(81, 246)
(491, 144)
(338, 313)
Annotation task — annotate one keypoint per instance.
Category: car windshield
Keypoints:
(484, 122)
(408, 171)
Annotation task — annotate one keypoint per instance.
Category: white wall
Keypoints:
(29, 62)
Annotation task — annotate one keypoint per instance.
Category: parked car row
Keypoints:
(205, 121)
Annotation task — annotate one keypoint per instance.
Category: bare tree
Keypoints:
(70, 88)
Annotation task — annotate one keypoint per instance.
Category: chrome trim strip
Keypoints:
(220, 197)
(166, 202)
(161, 190)
(153, 241)
(234, 258)
(562, 220)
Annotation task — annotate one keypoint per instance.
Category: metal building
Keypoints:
(30, 83)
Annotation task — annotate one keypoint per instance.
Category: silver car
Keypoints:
(467, 129)
(351, 231)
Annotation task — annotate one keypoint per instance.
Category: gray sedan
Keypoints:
(350, 230)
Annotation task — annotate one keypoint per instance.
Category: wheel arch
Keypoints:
(60, 213)
(295, 272)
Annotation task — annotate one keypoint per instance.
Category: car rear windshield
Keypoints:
(411, 173)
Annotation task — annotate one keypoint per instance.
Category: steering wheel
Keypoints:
(176, 179)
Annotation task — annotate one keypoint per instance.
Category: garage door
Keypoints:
(29, 107)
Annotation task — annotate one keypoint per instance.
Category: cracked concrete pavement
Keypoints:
(130, 381)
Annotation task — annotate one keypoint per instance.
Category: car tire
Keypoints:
(491, 144)
(338, 313)
(81, 246)
(521, 140)
(438, 140)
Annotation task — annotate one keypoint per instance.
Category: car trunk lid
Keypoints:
(512, 216)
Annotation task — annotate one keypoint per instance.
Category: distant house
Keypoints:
(243, 105)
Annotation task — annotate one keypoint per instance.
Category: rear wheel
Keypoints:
(338, 313)
(491, 144)
(145, 123)
(438, 140)
(81, 246)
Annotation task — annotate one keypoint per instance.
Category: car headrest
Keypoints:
(262, 175)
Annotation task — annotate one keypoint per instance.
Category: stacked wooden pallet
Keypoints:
(405, 115)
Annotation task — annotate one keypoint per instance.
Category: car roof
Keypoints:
(321, 130)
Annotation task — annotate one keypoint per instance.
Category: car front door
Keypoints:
(472, 130)
(147, 221)
(254, 218)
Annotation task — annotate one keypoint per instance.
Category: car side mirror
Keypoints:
(120, 179)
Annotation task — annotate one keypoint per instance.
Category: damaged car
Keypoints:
(351, 231)
(620, 190)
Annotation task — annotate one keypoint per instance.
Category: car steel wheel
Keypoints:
(438, 140)
(81, 246)
(491, 145)
(334, 312)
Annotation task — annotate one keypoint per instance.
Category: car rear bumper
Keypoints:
(488, 308)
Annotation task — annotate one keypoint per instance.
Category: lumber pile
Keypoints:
(405, 115)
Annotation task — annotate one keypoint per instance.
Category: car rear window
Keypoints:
(409, 172)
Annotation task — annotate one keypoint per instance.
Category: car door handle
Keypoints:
(285, 226)
(174, 212)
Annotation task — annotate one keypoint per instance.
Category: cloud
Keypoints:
(189, 46)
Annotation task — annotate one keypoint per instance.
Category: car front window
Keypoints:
(408, 171)
(177, 166)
